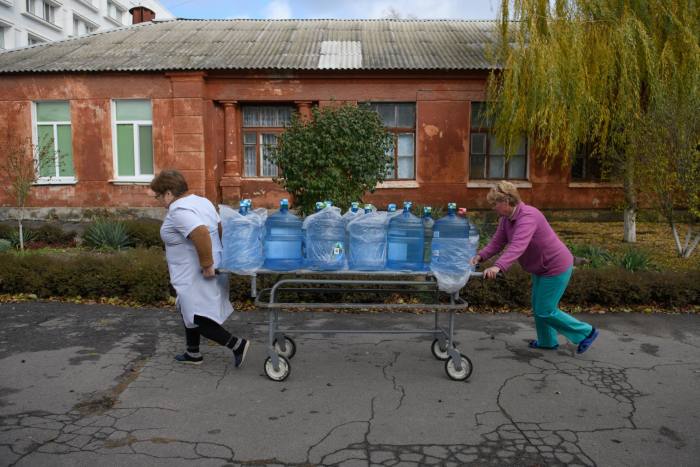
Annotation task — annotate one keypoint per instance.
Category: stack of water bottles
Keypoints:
(361, 240)
(242, 237)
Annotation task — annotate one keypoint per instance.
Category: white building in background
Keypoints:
(28, 22)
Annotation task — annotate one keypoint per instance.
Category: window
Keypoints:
(400, 120)
(114, 11)
(2, 36)
(133, 139)
(487, 158)
(81, 26)
(261, 126)
(53, 132)
(32, 39)
(43, 9)
(586, 165)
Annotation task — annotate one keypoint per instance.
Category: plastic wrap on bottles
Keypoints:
(368, 235)
(242, 238)
(325, 240)
(452, 248)
(352, 213)
(452, 270)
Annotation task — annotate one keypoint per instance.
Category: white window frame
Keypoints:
(53, 180)
(3, 27)
(90, 26)
(118, 8)
(489, 182)
(137, 177)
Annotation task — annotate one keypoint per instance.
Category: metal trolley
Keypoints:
(281, 348)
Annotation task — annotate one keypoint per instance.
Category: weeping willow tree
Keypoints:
(576, 72)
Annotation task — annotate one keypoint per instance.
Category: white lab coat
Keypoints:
(195, 293)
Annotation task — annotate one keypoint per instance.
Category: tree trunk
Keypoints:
(21, 235)
(690, 245)
(630, 233)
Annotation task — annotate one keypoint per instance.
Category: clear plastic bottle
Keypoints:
(428, 223)
(450, 243)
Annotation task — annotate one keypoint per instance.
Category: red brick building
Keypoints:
(209, 97)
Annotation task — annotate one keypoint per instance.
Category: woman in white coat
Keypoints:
(191, 232)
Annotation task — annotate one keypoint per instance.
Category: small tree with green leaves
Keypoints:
(668, 142)
(340, 153)
(22, 163)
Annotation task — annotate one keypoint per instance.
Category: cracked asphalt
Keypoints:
(97, 385)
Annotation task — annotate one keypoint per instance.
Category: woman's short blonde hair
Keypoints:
(504, 191)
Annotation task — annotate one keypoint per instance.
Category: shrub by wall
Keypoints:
(141, 275)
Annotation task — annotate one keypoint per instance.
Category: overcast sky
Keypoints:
(354, 9)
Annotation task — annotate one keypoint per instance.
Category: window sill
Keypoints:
(87, 4)
(56, 181)
(492, 183)
(114, 21)
(132, 181)
(6, 3)
(258, 179)
(41, 20)
(398, 184)
(594, 185)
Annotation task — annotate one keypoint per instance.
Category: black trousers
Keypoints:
(209, 329)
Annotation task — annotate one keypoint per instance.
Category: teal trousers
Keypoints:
(549, 319)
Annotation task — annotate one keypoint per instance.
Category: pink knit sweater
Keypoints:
(529, 239)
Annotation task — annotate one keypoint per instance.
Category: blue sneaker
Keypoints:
(587, 342)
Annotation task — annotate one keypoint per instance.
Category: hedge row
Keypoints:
(141, 275)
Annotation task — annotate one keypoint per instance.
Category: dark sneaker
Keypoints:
(187, 358)
(536, 345)
(587, 342)
(239, 352)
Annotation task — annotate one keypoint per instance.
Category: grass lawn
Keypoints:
(656, 239)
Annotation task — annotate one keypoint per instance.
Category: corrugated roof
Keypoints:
(265, 45)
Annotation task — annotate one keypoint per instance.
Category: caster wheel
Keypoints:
(290, 348)
(439, 351)
(282, 373)
(462, 374)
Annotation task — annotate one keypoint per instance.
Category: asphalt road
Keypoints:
(97, 386)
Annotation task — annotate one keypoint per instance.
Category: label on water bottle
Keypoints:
(338, 249)
(436, 253)
(436, 234)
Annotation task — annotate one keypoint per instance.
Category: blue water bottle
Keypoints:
(405, 241)
(283, 239)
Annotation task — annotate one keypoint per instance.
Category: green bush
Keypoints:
(141, 275)
(598, 257)
(52, 234)
(339, 154)
(138, 275)
(27, 234)
(5, 231)
(144, 233)
(107, 234)
(634, 259)
(5, 245)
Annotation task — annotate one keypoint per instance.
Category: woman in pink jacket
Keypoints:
(529, 239)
